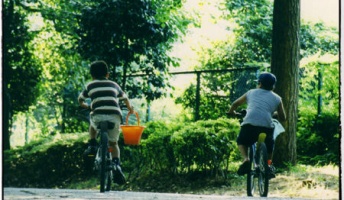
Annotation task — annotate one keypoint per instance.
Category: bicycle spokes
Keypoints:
(259, 168)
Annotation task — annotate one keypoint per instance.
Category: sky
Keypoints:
(326, 11)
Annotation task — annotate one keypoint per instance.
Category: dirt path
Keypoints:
(68, 194)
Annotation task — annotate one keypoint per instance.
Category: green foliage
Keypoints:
(217, 92)
(318, 138)
(192, 147)
(324, 70)
(63, 77)
(132, 36)
(135, 40)
(253, 31)
(22, 72)
(218, 103)
(57, 157)
(251, 46)
(205, 146)
(318, 38)
(318, 133)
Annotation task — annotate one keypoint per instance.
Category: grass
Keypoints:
(300, 181)
(308, 182)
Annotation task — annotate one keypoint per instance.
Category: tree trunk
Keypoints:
(6, 118)
(285, 65)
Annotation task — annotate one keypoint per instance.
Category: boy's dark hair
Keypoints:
(267, 80)
(99, 69)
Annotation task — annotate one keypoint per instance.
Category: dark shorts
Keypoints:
(249, 135)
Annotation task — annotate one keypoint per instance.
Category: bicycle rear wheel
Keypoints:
(108, 180)
(250, 176)
(105, 179)
(263, 177)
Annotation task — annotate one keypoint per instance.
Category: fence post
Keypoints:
(319, 91)
(148, 113)
(198, 99)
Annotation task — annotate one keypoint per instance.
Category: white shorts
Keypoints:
(112, 133)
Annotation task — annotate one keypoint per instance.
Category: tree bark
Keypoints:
(285, 65)
(6, 118)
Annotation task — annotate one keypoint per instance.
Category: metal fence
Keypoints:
(222, 84)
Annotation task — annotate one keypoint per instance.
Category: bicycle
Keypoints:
(258, 167)
(103, 158)
(258, 160)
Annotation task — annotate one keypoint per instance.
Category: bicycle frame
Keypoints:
(259, 167)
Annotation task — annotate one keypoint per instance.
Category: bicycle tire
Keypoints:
(250, 176)
(108, 182)
(263, 177)
(104, 171)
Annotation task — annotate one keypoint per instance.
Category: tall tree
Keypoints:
(21, 73)
(132, 37)
(285, 65)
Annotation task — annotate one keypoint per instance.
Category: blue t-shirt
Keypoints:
(261, 105)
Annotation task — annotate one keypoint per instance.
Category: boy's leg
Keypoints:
(244, 140)
(245, 166)
(119, 177)
(243, 150)
(115, 150)
(92, 144)
(270, 143)
(92, 132)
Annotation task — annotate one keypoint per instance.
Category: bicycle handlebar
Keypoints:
(241, 114)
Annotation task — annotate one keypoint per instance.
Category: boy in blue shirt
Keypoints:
(262, 103)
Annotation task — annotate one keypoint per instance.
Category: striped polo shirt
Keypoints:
(104, 95)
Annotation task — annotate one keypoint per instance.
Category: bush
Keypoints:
(318, 138)
(54, 161)
(205, 145)
(183, 148)
(318, 135)
(49, 162)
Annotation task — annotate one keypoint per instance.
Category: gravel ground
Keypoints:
(68, 194)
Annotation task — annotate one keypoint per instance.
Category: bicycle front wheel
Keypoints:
(250, 175)
(263, 177)
(105, 181)
(108, 180)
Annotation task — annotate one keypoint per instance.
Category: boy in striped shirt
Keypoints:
(105, 95)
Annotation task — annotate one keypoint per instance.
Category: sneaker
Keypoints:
(244, 168)
(90, 151)
(272, 172)
(118, 176)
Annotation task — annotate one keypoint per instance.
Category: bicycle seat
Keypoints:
(106, 124)
(261, 137)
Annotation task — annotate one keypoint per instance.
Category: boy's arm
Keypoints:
(241, 100)
(281, 113)
(129, 106)
(82, 102)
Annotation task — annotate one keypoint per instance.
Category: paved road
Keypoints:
(68, 194)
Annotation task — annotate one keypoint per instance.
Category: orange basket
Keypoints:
(131, 133)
